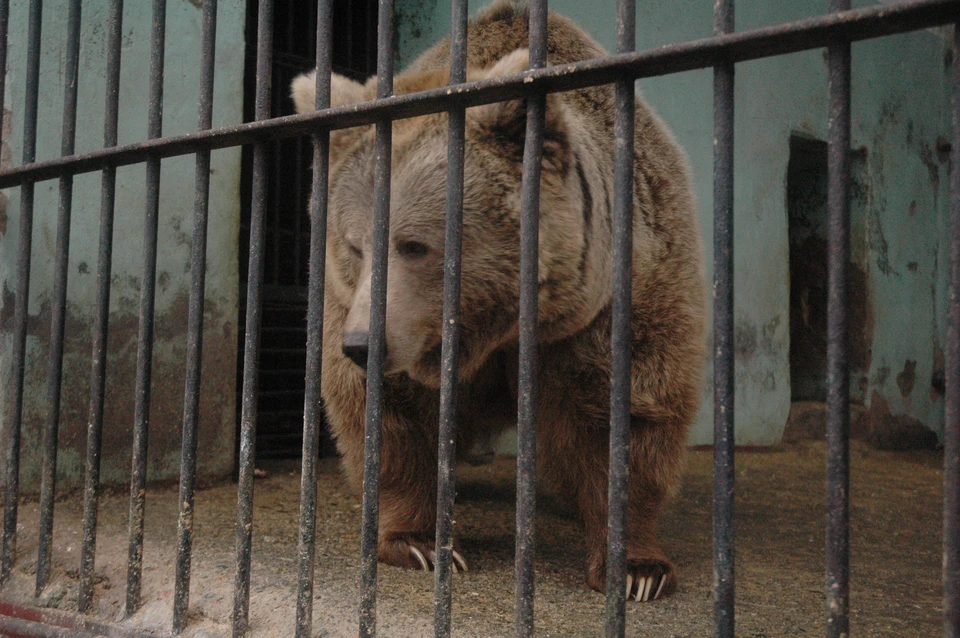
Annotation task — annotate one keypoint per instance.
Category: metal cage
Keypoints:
(834, 31)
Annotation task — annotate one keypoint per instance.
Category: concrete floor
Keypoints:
(895, 555)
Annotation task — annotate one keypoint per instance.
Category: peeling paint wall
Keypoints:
(900, 123)
(217, 424)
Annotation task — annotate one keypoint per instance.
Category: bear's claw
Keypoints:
(429, 559)
(647, 580)
(642, 589)
(645, 588)
(416, 553)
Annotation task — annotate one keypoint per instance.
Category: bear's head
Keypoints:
(491, 221)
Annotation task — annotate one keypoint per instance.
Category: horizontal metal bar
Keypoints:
(24, 620)
(790, 37)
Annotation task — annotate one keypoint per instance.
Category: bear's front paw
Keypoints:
(414, 552)
(647, 580)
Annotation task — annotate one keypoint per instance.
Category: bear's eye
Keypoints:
(412, 249)
(356, 252)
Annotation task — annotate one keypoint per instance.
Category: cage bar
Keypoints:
(141, 410)
(8, 549)
(251, 344)
(312, 409)
(191, 399)
(529, 291)
(98, 365)
(951, 429)
(791, 37)
(446, 453)
(48, 482)
(377, 334)
(24, 244)
(621, 333)
(838, 368)
(723, 356)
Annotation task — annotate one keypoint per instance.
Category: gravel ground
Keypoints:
(895, 554)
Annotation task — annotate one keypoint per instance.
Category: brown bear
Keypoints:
(575, 265)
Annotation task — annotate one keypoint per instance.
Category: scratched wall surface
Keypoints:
(900, 126)
(181, 84)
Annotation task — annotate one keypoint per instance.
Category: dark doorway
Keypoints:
(283, 334)
(807, 219)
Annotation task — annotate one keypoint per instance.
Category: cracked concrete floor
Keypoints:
(895, 554)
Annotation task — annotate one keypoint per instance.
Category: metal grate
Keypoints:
(834, 31)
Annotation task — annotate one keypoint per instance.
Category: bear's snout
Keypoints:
(356, 346)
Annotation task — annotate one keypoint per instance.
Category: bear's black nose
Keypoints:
(356, 347)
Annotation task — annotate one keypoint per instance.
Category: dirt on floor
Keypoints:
(895, 554)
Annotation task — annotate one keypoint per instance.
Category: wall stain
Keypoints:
(216, 426)
(907, 378)
(881, 376)
(745, 340)
(930, 158)
(938, 382)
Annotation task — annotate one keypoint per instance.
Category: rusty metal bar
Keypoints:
(98, 365)
(838, 369)
(621, 333)
(951, 429)
(951, 434)
(141, 410)
(811, 33)
(24, 245)
(312, 409)
(377, 338)
(191, 399)
(529, 291)
(8, 550)
(251, 345)
(724, 383)
(450, 346)
(48, 482)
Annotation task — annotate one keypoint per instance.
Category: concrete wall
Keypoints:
(175, 231)
(900, 116)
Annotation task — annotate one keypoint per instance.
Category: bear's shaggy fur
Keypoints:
(575, 265)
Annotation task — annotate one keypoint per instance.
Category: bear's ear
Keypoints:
(343, 91)
(505, 122)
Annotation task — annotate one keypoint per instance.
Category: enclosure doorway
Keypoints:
(283, 334)
(807, 236)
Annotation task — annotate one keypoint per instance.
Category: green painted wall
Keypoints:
(175, 232)
(900, 111)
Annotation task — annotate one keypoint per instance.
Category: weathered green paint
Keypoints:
(900, 109)
(181, 84)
